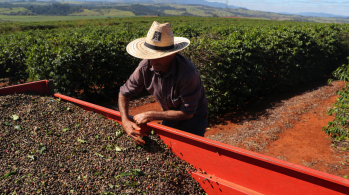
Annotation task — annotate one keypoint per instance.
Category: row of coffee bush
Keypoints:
(237, 63)
(339, 127)
(89, 62)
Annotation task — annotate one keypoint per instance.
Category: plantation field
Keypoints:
(265, 49)
(49, 18)
(278, 55)
(328, 20)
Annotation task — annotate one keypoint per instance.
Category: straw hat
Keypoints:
(159, 43)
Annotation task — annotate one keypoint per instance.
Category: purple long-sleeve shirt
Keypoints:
(180, 89)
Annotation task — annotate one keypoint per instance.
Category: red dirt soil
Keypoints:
(3, 85)
(147, 107)
(306, 144)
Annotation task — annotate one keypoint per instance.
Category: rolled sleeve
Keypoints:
(134, 84)
(190, 94)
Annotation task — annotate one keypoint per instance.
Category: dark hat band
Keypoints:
(158, 48)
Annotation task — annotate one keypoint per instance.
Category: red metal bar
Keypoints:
(235, 170)
(39, 87)
(108, 113)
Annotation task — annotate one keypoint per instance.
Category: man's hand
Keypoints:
(142, 118)
(130, 128)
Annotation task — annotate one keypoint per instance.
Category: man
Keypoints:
(171, 78)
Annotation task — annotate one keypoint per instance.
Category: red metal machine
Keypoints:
(223, 169)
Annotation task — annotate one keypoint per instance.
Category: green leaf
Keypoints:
(101, 116)
(32, 157)
(346, 176)
(17, 127)
(15, 117)
(98, 173)
(66, 129)
(7, 123)
(100, 155)
(82, 141)
(77, 125)
(117, 148)
(124, 174)
(9, 174)
(133, 172)
(41, 149)
(118, 133)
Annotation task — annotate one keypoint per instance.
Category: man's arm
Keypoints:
(129, 126)
(145, 117)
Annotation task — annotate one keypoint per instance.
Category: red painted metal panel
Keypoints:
(215, 185)
(39, 87)
(240, 171)
(251, 170)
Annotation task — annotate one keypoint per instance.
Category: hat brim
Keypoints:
(137, 48)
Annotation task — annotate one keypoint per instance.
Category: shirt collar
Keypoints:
(172, 70)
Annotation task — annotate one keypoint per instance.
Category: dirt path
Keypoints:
(306, 144)
(289, 129)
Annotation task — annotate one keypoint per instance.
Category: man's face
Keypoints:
(161, 64)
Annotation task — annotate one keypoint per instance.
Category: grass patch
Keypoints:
(86, 12)
(103, 12)
(196, 11)
(115, 12)
(13, 10)
(173, 12)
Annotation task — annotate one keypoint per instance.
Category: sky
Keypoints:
(336, 7)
